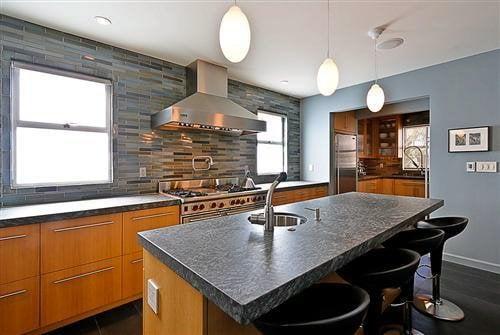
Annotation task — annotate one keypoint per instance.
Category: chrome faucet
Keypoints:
(420, 167)
(268, 209)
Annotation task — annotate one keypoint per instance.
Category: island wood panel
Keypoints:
(70, 292)
(19, 252)
(282, 197)
(74, 242)
(19, 306)
(412, 188)
(132, 266)
(147, 219)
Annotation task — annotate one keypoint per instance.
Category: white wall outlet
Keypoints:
(471, 166)
(490, 167)
(153, 291)
(142, 172)
(311, 167)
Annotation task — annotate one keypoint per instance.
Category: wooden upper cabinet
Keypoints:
(345, 122)
(19, 252)
(73, 242)
(147, 219)
(19, 306)
(388, 136)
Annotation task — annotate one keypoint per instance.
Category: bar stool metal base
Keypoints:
(441, 309)
(398, 330)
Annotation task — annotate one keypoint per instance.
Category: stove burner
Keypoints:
(233, 188)
(186, 193)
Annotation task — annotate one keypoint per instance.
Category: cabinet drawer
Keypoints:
(80, 241)
(132, 274)
(19, 252)
(19, 306)
(71, 292)
(136, 221)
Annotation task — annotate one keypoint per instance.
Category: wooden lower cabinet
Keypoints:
(19, 306)
(75, 242)
(74, 291)
(282, 197)
(369, 186)
(386, 186)
(408, 187)
(132, 266)
(19, 253)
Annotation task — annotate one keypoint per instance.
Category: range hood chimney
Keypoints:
(207, 107)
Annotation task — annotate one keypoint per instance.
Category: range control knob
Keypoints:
(232, 202)
(195, 207)
(221, 205)
(242, 201)
(238, 201)
(213, 205)
(254, 199)
(202, 206)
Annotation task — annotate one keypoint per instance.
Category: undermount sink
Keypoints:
(280, 219)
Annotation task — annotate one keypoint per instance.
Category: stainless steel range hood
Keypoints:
(207, 106)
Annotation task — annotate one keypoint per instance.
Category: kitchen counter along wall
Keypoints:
(142, 86)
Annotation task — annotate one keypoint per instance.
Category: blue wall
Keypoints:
(463, 93)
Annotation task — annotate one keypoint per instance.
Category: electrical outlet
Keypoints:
(311, 167)
(471, 167)
(153, 291)
(142, 172)
(490, 167)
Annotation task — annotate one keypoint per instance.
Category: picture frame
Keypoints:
(469, 139)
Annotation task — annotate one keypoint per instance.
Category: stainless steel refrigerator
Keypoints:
(344, 170)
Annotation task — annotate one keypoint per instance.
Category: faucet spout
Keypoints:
(268, 209)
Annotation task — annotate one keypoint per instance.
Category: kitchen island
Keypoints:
(216, 276)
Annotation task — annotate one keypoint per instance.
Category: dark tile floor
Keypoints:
(476, 292)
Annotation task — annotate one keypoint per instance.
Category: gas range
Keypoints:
(208, 198)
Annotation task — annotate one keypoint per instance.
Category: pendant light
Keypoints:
(375, 97)
(328, 73)
(234, 34)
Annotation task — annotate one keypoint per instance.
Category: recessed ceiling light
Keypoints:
(284, 82)
(390, 43)
(102, 20)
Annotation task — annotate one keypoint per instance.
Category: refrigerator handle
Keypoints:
(337, 168)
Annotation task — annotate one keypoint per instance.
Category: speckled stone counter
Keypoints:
(21, 215)
(247, 272)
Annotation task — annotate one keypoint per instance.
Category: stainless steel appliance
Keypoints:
(204, 199)
(344, 164)
(207, 107)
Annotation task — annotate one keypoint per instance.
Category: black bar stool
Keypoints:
(422, 241)
(434, 305)
(379, 269)
(322, 309)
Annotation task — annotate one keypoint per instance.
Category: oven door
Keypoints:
(219, 213)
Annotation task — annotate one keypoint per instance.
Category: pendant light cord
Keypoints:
(375, 53)
(328, 29)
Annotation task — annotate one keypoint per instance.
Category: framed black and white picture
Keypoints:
(468, 139)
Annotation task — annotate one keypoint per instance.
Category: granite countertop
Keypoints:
(247, 272)
(393, 176)
(21, 215)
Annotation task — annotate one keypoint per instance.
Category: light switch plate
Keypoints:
(471, 166)
(489, 167)
(153, 291)
(142, 172)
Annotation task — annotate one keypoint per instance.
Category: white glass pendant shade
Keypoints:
(328, 77)
(375, 98)
(234, 35)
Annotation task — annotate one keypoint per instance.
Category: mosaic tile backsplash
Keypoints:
(142, 86)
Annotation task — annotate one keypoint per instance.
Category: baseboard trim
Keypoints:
(475, 263)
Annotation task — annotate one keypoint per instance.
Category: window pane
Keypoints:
(45, 97)
(269, 158)
(274, 130)
(47, 156)
(415, 138)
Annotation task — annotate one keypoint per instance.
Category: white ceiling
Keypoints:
(288, 37)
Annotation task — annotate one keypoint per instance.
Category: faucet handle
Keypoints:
(317, 213)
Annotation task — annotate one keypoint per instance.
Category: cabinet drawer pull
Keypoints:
(136, 261)
(13, 237)
(151, 216)
(12, 294)
(83, 226)
(83, 275)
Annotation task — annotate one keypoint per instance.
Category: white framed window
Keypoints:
(415, 147)
(61, 127)
(271, 144)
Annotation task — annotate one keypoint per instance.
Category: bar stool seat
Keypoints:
(322, 309)
(379, 269)
(433, 305)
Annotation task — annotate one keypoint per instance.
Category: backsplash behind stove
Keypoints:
(142, 86)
